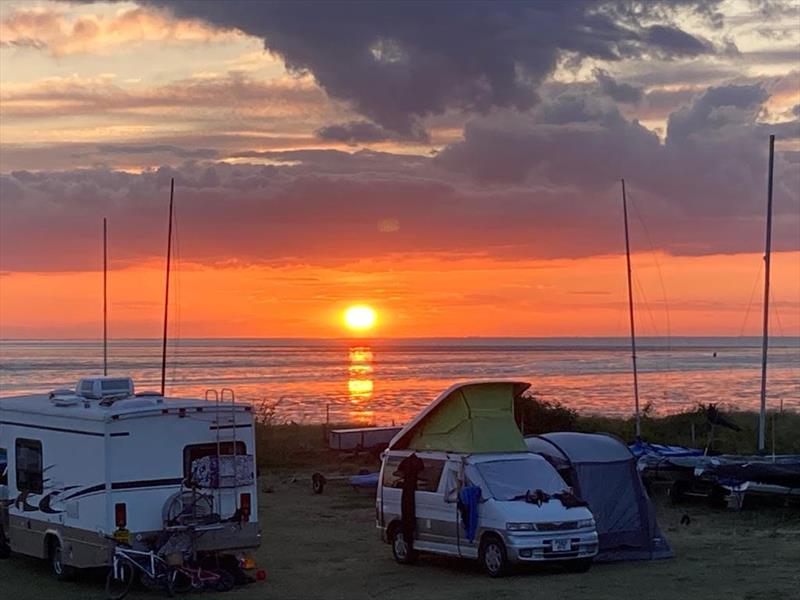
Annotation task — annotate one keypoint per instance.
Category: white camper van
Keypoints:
(98, 463)
(517, 508)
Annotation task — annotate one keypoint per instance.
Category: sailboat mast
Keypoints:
(762, 416)
(105, 299)
(630, 310)
(166, 291)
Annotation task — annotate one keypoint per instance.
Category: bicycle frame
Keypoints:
(133, 557)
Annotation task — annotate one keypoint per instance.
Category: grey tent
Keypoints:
(603, 472)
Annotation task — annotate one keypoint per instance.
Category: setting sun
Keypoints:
(360, 318)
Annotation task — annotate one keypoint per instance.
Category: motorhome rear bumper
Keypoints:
(540, 547)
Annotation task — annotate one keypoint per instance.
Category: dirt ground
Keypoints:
(326, 547)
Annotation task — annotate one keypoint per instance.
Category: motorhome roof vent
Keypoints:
(64, 398)
(100, 388)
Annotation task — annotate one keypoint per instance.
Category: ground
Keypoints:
(326, 547)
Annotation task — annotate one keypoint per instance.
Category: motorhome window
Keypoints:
(29, 465)
(509, 479)
(195, 451)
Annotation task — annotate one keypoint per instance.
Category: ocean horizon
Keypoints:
(387, 380)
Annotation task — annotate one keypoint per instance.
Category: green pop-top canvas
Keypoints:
(472, 418)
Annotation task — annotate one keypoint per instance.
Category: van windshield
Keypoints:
(510, 479)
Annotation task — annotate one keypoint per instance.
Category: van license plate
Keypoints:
(561, 546)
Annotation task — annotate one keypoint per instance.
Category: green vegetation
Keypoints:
(304, 446)
(536, 416)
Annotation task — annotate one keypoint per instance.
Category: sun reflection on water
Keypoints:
(360, 385)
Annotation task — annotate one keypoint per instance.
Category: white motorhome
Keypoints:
(101, 462)
(521, 510)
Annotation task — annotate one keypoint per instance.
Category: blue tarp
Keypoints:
(368, 481)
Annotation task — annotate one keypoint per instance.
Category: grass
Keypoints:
(326, 547)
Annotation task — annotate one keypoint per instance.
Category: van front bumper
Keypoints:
(537, 547)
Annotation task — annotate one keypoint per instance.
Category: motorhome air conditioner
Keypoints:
(98, 388)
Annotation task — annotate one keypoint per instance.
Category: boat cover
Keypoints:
(468, 417)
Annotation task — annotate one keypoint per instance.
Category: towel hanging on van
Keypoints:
(468, 501)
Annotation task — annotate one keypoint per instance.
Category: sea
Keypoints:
(387, 381)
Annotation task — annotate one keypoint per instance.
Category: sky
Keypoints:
(456, 166)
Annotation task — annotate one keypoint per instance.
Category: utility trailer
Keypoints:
(100, 463)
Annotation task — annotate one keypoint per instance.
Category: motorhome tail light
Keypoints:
(121, 515)
(244, 502)
(261, 575)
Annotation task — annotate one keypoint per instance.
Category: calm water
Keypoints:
(385, 381)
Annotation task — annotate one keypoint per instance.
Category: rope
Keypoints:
(639, 218)
(752, 295)
(176, 302)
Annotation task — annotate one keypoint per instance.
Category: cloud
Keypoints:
(519, 186)
(399, 62)
(232, 92)
(621, 92)
(62, 34)
(156, 149)
(353, 133)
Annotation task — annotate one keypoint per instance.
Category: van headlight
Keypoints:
(586, 523)
(521, 526)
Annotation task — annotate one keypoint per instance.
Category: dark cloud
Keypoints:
(398, 62)
(352, 133)
(540, 185)
(621, 92)
(711, 166)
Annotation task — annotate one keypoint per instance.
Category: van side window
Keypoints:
(428, 480)
(429, 477)
(3, 467)
(193, 452)
(29, 465)
(390, 480)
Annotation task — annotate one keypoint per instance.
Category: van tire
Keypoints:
(400, 549)
(493, 556)
(578, 565)
(60, 571)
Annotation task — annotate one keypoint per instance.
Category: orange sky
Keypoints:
(415, 296)
(459, 193)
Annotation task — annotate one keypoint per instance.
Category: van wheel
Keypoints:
(400, 550)
(60, 571)
(579, 565)
(493, 557)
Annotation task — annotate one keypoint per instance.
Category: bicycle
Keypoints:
(154, 573)
(196, 578)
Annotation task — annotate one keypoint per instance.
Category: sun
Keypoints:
(360, 317)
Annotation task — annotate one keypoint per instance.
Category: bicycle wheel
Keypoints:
(225, 583)
(118, 585)
(181, 581)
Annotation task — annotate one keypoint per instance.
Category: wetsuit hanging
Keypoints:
(409, 469)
